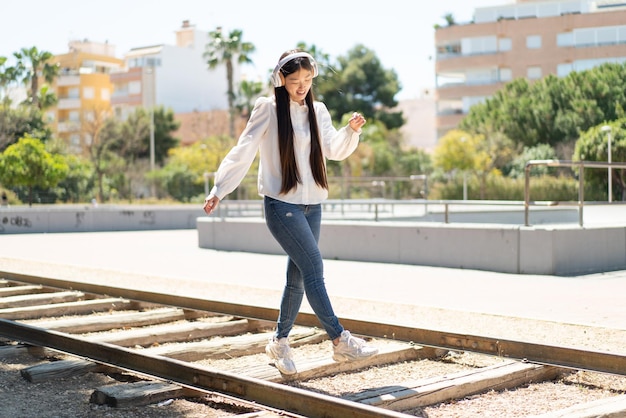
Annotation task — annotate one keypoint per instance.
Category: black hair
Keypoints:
(290, 174)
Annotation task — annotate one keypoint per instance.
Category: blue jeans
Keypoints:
(297, 230)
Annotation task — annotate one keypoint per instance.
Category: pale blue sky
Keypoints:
(399, 31)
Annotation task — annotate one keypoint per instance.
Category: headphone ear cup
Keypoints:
(314, 65)
(277, 78)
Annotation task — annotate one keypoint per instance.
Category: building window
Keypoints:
(607, 36)
(533, 42)
(564, 69)
(75, 140)
(481, 76)
(590, 37)
(585, 37)
(470, 101)
(73, 93)
(448, 50)
(621, 34)
(533, 73)
(565, 39)
(105, 94)
(479, 45)
(144, 62)
(134, 87)
(88, 93)
(506, 75)
(505, 44)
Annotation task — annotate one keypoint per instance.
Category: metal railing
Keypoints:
(387, 209)
(581, 181)
(374, 209)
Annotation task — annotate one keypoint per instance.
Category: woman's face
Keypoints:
(298, 84)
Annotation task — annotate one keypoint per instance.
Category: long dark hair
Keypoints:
(290, 174)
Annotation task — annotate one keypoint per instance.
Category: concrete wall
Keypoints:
(501, 248)
(509, 248)
(81, 218)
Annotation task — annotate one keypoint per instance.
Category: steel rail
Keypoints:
(567, 357)
(275, 395)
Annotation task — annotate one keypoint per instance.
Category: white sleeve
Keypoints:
(337, 144)
(237, 162)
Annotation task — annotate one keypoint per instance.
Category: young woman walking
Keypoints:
(295, 135)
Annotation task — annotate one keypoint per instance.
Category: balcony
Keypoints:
(69, 103)
(68, 126)
(68, 80)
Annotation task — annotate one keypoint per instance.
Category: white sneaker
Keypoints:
(352, 348)
(280, 351)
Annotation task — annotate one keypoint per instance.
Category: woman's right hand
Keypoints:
(210, 203)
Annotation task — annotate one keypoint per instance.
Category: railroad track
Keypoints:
(179, 347)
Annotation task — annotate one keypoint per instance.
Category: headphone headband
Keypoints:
(277, 78)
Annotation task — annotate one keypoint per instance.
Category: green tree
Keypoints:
(179, 182)
(165, 124)
(517, 167)
(186, 166)
(249, 91)
(5, 80)
(21, 121)
(552, 110)
(32, 65)
(449, 18)
(360, 83)
(593, 146)
(101, 148)
(228, 50)
(457, 150)
(134, 133)
(28, 164)
(47, 97)
(77, 186)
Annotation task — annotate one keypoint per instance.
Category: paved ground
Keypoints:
(172, 261)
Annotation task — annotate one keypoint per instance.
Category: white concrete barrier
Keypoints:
(509, 248)
(500, 248)
(85, 218)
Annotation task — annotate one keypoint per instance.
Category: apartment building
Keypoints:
(529, 39)
(83, 89)
(93, 83)
(173, 76)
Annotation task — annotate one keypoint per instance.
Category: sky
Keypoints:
(400, 32)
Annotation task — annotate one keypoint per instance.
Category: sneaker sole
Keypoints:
(273, 356)
(286, 372)
(270, 353)
(341, 357)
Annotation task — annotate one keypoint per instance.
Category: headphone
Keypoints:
(277, 78)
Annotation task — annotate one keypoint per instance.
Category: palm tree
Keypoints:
(32, 65)
(224, 50)
(8, 75)
(248, 93)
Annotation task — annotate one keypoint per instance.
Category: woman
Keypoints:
(295, 136)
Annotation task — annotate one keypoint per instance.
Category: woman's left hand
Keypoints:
(356, 121)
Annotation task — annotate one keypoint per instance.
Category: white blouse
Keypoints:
(261, 133)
